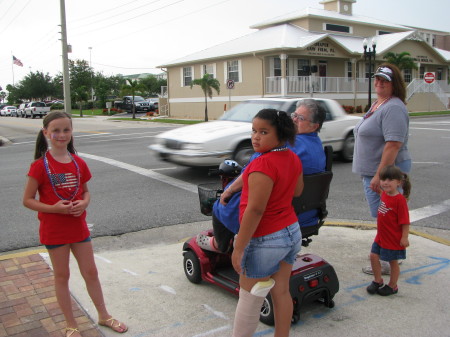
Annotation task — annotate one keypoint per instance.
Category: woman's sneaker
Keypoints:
(373, 287)
(386, 290)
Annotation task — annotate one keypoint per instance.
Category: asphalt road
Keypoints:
(132, 190)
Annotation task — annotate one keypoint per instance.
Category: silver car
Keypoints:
(209, 143)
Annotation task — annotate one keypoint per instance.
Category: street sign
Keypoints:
(429, 77)
(230, 84)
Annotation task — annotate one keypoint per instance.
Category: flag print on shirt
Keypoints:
(383, 209)
(64, 180)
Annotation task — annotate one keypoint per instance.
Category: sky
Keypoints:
(135, 36)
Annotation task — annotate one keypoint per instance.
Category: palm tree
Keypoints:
(133, 86)
(207, 83)
(402, 60)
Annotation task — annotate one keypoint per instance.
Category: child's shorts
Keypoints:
(388, 254)
(56, 246)
(263, 254)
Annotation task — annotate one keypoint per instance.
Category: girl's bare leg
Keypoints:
(60, 262)
(282, 300)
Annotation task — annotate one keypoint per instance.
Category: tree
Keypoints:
(80, 95)
(402, 60)
(2, 96)
(81, 75)
(153, 85)
(207, 83)
(35, 86)
(132, 87)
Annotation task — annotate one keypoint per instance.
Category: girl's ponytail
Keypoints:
(406, 185)
(41, 145)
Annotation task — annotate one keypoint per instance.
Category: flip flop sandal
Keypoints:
(71, 331)
(109, 323)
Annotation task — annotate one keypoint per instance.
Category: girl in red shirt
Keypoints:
(392, 229)
(269, 236)
(60, 178)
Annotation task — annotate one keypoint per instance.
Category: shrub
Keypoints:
(57, 106)
(349, 109)
(359, 109)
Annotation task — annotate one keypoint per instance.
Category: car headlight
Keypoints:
(192, 146)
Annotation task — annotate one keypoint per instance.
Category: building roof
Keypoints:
(322, 13)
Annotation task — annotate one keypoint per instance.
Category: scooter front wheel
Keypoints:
(192, 268)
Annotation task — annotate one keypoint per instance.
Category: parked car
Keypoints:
(153, 104)
(8, 110)
(140, 104)
(36, 109)
(208, 144)
(21, 110)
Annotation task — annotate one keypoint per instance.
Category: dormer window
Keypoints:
(337, 28)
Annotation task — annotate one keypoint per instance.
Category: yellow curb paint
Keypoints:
(374, 226)
(22, 254)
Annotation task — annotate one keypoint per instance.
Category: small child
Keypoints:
(392, 229)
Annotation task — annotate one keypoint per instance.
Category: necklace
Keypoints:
(373, 108)
(61, 178)
(277, 149)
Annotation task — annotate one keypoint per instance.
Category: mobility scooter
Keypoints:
(312, 278)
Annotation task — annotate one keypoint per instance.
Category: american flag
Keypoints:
(64, 180)
(17, 62)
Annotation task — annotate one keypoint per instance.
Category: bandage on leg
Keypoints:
(262, 288)
(247, 314)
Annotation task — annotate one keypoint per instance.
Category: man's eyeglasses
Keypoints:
(299, 117)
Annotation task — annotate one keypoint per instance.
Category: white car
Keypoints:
(8, 110)
(209, 143)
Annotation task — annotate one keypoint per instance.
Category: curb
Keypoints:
(364, 225)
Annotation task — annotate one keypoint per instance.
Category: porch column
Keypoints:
(283, 58)
(353, 61)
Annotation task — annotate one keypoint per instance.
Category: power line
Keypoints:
(159, 24)
(128, 19)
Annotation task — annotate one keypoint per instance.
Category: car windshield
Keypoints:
(245, 111)
(40, 104)
(138, 99)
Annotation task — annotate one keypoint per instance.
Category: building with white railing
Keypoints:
(311, 53)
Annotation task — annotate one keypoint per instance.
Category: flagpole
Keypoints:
(12, 66)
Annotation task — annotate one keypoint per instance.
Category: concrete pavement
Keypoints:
(145, 286)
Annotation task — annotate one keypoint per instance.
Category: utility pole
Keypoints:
(65, 59)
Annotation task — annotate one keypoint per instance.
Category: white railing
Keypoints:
(419, 85)
(307, 84)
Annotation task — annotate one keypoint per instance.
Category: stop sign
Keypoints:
(429, 77)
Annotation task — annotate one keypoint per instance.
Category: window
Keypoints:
(421, 72)
(188, 73)
(276, 66)
(383, 32)
(303, 67)
(233, 70)
(407, 75)
(337, 28)
(349, 70)
(209, 69)
(439, 74)
(367, 69)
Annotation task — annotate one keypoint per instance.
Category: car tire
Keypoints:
(243, 153)
(347, 148)
(192, 268)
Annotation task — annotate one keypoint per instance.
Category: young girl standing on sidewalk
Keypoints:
(60, 177)
(392, 229)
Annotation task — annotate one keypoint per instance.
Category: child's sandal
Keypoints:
(71, 331)
(113, 324)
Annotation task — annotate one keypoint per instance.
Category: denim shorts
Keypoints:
(56, 246)
(263, 254)
(388, 254)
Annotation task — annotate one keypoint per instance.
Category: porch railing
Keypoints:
(308, 84)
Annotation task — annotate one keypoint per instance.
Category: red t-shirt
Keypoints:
(284, 168)
(392, 214)
(56, 228)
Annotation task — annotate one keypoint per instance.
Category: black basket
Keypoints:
(208, 194)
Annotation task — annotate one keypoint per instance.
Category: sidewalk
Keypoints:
(145, 286)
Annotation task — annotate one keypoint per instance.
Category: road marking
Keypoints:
(214, 331)
(434, 129)
(429, 211)
(102, 258)
(145, 172)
